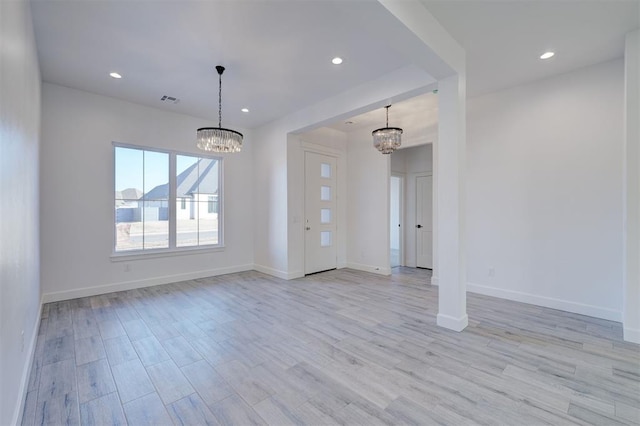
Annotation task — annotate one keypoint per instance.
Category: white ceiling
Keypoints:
(504, 39)
(416, 116)
(278, 52)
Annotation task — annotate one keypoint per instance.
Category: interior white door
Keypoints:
(320, 213)
(395, 221)
(424, 221)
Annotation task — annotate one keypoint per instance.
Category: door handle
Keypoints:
(418, 226)
(308, 228)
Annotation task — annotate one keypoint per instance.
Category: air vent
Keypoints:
(171, 99)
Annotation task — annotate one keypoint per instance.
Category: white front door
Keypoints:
(320, 213)
(424, 221)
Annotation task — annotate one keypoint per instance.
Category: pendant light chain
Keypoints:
(219, 99)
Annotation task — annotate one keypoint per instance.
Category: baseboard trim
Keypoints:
(148, 282)
(631, 334)
(278, 273)
(547, 302)
(26, 372)
(435, 280)
(295, 274)
(369, 268)
(452, 323)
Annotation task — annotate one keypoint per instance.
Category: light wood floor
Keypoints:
(341, 347)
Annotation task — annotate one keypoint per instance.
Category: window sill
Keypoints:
(154, 254)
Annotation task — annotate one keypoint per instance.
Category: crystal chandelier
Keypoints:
(387, 139)
(218, 139)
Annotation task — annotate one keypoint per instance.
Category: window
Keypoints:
(166, 200)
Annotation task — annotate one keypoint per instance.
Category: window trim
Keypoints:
(124, 256)
(173, 249)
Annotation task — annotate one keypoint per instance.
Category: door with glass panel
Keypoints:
(320, 213)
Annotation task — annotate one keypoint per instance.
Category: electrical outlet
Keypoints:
(492, 272)
(22, 341)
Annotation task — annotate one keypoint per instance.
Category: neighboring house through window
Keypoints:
(213, 204)
(151, 210)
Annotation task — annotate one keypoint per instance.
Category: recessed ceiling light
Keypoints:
(115, 75)
(547, 55)
(245, 110)
(336, 61)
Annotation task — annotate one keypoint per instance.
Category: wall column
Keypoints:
(631, 294)
(450, 199)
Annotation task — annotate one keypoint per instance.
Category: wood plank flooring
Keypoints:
(341, 347)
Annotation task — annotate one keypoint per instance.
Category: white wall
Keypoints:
(398, 162)
(368, 174)
(19, 182)
(77, 191)
(270, 192)
(545, 191)
(631, 308)
(412, 162)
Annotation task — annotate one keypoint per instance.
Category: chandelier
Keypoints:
(219, 139)
(387, 139)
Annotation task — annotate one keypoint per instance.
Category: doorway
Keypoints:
(396, 188)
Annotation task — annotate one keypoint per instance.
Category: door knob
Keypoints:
(418, 226)
(308, 228)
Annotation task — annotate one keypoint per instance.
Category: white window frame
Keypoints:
(173, 249)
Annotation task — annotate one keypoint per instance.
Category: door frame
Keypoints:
(402, 202)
